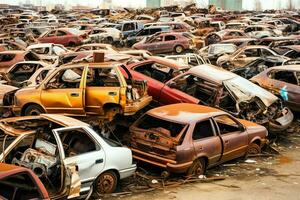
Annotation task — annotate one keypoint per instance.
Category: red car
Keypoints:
(9, 58)
(64, 36)
(20, 183)
(156, 71)
(166, 43)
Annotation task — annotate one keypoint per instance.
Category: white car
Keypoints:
(109, 35)
(48, 51)
(69, 157)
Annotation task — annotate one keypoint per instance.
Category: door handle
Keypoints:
(226, 141)
(74, 94)
(98, 161)
(112, 93)
(200, 148)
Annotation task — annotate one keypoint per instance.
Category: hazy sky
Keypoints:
(247, 4)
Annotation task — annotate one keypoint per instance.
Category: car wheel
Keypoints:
(71, 44)
(179, 49)
(197, 168)
(110, 40)
(253, 149)
(106, 183)
(33, 110)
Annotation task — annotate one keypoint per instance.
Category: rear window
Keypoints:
(168, 128)
(75, 31)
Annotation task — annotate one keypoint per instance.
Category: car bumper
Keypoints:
(124, 173)
(283, 122)
(132, 108)
(168, 164)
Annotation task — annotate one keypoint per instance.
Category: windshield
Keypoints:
(75, 31)
(58, 50)
(243, 90)
(217, 49)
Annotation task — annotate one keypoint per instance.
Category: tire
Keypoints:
(178, 49)
(71, 44)
(106, 183)
(33, 110)
(253, 149)
(197, 168)
(110, 113)
(110, 40)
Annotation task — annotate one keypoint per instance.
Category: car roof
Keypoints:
(184, 112)
(13, 52)
(287, 67)
(212, 73)
(59, 119)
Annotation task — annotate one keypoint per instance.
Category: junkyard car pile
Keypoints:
(184, 89)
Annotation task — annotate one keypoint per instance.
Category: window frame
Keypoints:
(215, 133)
(241, 126)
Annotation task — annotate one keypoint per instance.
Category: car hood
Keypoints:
(244, 90)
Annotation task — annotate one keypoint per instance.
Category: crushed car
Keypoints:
(214, 86)
(284, 82)
(69, 157)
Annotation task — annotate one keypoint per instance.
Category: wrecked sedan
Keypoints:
(283, 81)
(67, 155)
(188, 138)
(213, 86)
(82, 89)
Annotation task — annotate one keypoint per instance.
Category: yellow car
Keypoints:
(82, 89)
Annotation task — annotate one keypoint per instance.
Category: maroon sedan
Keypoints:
(166, 43)
(20, 183)
(64, 36)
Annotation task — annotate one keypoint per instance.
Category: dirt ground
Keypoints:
(257, 178)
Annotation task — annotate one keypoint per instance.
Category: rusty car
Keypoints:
(189, 138)
(29, 185)
(166, 43)
(69, 157)
(246, 54)
(284, 82)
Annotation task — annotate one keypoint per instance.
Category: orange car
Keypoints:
(20, 183)
(9, 58)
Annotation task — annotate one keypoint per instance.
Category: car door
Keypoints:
(103, 87)
(49, 37)
(168, 44)
(284, 83)
(206, 141)
(79, 147)
(154, 44)
(234, 137)
(61, 38)
(64, 91)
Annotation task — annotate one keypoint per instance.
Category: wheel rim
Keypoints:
(253, 150)
(198, 169)
(178, 49)
(105, 184)
(34, 112)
